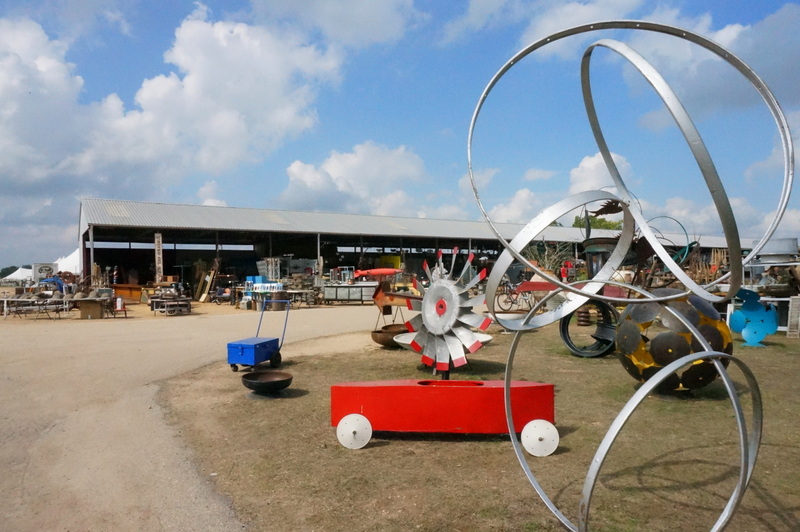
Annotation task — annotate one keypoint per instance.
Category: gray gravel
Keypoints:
(85, 446)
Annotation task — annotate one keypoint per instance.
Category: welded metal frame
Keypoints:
(749, 441)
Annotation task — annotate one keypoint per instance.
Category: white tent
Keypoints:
(22, 274)
(70, 263)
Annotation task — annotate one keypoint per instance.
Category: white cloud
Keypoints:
(483, 178)
(522, 208)
(704, 82)
(535, 174)
(38, 95)
(701, 219)
(557, 16)
(244, 90)
(592, 174)
(444, 212)
(354, 23)
(209, 193)
(482, 14)
(73, 20)
(773, 167)
(789, 226)
(356, 181)
(394, 203)
(239, 92)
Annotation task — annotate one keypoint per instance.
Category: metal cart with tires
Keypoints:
(255, 350)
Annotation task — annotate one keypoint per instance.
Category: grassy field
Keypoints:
(672, 468)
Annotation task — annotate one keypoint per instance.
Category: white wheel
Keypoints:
(354, 431)
(539, 437)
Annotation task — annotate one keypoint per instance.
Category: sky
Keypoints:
(364, 107)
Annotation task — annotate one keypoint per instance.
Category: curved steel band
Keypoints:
(701, 155)
(739, 65)
(513, 251)
(534, 228)
(748, 444)
(748, 447)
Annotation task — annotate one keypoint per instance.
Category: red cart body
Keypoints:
(468, 407)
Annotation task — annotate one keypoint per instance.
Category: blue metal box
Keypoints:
(252, 351)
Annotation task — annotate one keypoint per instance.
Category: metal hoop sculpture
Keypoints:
(749, 441)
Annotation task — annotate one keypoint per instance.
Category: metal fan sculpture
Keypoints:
(444, 325)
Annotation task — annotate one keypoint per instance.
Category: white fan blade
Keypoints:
(415, 323)
(468, 338)
(456, 350)
(474, 320)
(466, 266)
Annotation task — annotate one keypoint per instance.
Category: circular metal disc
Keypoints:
(630, 367)
(704, 307)
(712, 335)
(629, 337)
(684, 309)
(698, 375)
(738, 321)
(354, 431)
(539, 437)
(643, 312)
(671, 383)
(668, 347)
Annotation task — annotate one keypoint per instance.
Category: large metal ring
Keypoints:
(748, 444)
(738, 64)
(701, 155)
(576, 297)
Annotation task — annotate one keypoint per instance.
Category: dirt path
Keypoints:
(85, 446)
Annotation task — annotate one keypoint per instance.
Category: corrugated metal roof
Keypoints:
(134, 214)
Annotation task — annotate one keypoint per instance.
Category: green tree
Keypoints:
(596, 222)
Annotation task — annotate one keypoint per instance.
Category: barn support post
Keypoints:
(91, 250)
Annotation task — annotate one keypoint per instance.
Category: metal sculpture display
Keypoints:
(443, 328)
(754, 321)
(642, 356)
(710, 351)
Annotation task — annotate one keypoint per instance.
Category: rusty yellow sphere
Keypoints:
(650, 337)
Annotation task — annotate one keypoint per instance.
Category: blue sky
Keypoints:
(364, 107)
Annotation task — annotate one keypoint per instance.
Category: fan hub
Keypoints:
(440, 306)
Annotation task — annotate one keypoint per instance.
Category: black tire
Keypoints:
(503, 301)
(234, 367)
(275, 360)
(603, 335)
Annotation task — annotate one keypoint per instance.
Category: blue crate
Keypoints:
(252, 351)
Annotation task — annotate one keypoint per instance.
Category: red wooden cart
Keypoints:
(439, 406)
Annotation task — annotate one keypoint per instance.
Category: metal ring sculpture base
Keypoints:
(749, 441)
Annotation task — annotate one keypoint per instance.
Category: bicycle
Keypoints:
(508, 297)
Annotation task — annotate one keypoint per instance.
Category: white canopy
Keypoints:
(70, 263)
(22, 274)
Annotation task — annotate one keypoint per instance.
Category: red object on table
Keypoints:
(535, 286)
(468, 407)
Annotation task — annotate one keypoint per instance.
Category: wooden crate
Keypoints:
(793, 323)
